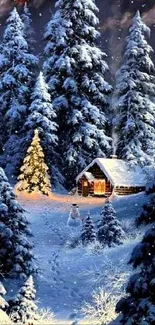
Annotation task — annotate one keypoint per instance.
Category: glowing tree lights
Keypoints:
(34, 177)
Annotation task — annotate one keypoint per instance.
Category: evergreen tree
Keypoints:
(75, 69)
(3, 303)
(134, 98)
(42, 117)
(28, 30)
(109, 228)
(16, 256)
(138, 306)
(88, 234)
(148, 214)
(34, 175)
(17, 77)
(23, 308)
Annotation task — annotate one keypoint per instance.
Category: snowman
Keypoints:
(74, 219)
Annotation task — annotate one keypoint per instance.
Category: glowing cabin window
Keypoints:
(85, 183)
(99, 187)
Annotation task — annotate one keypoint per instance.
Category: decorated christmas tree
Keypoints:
(34, 176)
(109, 228)
(23, 308)
(88, 232)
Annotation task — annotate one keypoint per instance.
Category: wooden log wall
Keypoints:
(128, 190)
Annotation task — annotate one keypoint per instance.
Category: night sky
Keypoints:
(115, 17)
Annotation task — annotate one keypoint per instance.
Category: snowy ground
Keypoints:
(69, 276)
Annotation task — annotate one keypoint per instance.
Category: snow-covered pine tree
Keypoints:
(88, 234)
(3, 303)
(134, 98)
(34, 176)
(138, 306)
(74, 69)
(148, 214)
(28, 30)
(23, 308)
(109, 231)
(16, 258)
(42, 117)
(17, 76)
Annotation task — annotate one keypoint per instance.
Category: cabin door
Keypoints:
(85, 188)
(99, 187)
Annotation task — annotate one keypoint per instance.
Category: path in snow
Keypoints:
(67, 276)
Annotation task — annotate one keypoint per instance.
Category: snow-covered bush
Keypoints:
(110, 231)
(23, 308)
(102, 309)
(45, 316)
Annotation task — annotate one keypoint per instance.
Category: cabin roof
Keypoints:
(89, 176)
(118, 172)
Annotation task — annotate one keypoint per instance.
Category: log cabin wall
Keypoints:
(98, 174)
(90, 185)
(121, 190)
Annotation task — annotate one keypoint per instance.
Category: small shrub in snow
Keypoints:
(23, 308)
(110, 232)
(88, 234)
(102, 309)
(45, 316)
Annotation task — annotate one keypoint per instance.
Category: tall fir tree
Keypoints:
(109, 232)
(88, 234)
(17, 76)
(16, 258)
(134, 98)
(23, 308)
(75, 69)
(138, 307)
(42, 117)
(34, 177)
(28, 29)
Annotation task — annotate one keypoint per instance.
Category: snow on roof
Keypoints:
(89, 176)
(118, 172)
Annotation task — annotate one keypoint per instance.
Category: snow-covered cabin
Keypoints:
(102, 176)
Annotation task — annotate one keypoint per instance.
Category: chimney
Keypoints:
(113, 156)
